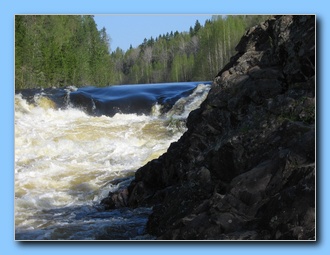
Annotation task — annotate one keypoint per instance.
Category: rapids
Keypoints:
(71, 144)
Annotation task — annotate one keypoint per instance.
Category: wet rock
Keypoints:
(116, 199)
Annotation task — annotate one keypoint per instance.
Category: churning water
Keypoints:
(71, 144)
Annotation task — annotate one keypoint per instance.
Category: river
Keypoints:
(75, 145)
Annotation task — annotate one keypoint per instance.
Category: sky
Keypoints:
(126, 30)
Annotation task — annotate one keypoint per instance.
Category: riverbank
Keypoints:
(245, 169)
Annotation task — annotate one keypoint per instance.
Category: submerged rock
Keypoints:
(245, 169)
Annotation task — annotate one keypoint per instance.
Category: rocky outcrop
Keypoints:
(245, 169)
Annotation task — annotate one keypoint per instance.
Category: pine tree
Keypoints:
(61, 50)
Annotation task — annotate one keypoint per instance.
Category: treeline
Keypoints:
(197, 54)
(61, 50)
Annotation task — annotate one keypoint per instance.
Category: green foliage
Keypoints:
(61, 50)
(198, 54)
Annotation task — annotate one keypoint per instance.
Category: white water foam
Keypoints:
(66, 159)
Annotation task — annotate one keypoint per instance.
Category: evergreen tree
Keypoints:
(61, 50)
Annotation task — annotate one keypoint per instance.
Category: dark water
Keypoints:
(73, 145)
(138, 99)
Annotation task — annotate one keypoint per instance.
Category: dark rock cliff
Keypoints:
(245, 169)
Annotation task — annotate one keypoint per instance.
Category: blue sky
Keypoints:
(125, 30)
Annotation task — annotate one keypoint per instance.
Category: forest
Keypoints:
(63, 50)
